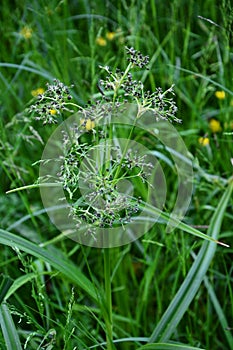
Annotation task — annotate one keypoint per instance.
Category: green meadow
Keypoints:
(149, 262)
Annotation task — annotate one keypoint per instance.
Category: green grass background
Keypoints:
(190, 45)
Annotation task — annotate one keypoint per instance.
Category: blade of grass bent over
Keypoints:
(148, 209)
(179, 224)
(180, 303)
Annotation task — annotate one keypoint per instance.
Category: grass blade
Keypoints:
(167, 218)
(42, 73)
(8, 329)
(167, 346)
(4, 286)
(220, 313)
(188, 289)
(19, 282)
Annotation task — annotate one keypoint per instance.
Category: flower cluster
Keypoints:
(204, 141)
(51, 103)
(114, 80)
(95, 191)
(101, 41)
(127, 89)
(215, 125)
(157, 103)
(107, 207)
(220, 94)
(26, 32)
(136, 57)
(97, 172)
(56, 99)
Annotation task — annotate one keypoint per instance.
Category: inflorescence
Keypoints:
(136, 57)
(128, 90)
(95, 192)
(102, 204)
(122, 89)
(52, 103)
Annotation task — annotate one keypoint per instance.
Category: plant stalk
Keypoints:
(108, 296)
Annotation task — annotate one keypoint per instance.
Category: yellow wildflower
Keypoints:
(214, 125)
(204, 141)
(52, 111)
(220, 95)
(26, 32)
(37, 92)
(110, 35)
(101, 41)
(88, 124)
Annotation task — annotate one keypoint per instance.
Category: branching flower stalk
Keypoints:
(102, 205)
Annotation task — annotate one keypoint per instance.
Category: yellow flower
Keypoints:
(26, 32)
(88, 124)
(37, 92)
(220, 95)
(214, 125)
(110, 35)
(204, 141)
(53, 111)
(101, 41)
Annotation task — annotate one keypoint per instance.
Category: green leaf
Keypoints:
(220, 313)
(8, 329)
(19, 282)
(180, 303)
(4, 286)
(179, 224)
(52, 256)
(167, 346)
(20, 67)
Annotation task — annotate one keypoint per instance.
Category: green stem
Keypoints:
(124, 151)
(108, 295)
(120, 82)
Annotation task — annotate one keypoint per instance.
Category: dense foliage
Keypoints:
(56, 293)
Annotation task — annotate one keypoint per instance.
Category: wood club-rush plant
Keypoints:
(103, 186)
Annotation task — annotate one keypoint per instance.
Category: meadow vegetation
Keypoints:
(167, 289)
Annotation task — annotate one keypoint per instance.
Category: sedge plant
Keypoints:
(91, 169)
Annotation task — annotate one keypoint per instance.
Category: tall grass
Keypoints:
(165, 290)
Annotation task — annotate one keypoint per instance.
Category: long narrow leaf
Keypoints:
(180, 303)
(5, 284)
(181, 225)
(167, 346)
(220, 313)
(155, 212)
(53, 257)
(8, 329)
(42, 73)
(19, 282)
